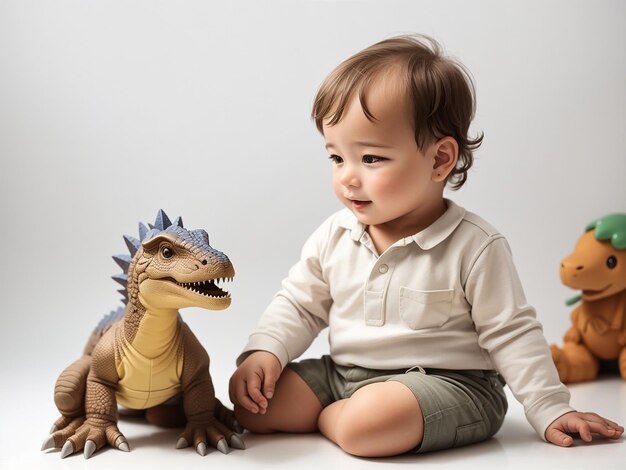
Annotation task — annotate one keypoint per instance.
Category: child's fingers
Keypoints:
(615, 425)
(555, 436)
(607, 422)
(254, 391)
(269, 383)
(603, 426)
(242, 398)
(602, 429)
(582, 427)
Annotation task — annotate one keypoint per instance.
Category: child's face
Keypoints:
(378, 170)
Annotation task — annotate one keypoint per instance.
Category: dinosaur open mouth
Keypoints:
(206, 288)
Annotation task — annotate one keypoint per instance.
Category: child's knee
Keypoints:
(379, 421)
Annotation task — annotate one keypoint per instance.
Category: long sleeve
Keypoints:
(508, 329)
(299, 311)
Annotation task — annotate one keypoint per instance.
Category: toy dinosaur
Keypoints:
(142, 355)
(598, 333)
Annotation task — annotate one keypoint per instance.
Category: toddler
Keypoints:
(426, 314)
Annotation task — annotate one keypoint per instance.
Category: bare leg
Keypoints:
(294, 408)
(378, 420)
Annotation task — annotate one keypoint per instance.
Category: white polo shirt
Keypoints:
(447, 297)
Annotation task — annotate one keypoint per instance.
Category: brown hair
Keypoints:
(440, 89)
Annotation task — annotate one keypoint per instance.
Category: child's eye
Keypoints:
(336, 159)
(370, 159)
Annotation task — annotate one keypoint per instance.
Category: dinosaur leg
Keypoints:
(172, 415)
(69, 392)
(100, 426)
(574, 362)
(69, 397)
(227, 417)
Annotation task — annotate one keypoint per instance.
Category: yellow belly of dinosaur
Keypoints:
(147, 382)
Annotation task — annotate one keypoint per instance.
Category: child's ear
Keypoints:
(446, 156)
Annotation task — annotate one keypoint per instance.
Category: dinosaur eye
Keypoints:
(611, 262)
(167, 252)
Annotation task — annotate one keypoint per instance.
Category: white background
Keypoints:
(112, 110)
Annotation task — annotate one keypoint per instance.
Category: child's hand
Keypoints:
(583, 424)
(260, 368)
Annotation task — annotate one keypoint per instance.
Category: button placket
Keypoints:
(375, 294)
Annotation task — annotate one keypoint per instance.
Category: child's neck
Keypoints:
(386, 234)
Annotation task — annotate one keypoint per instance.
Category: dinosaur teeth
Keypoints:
(208, 288)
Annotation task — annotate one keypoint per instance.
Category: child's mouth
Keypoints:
(360, 204)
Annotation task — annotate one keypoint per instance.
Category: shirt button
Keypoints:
(383, 268)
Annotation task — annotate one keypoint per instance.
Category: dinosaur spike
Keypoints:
(162, 221)
(124, 293)
(121, 278)
(151, 234)
(142, 231)
(179, 222)
(132, 244)
(123, 261)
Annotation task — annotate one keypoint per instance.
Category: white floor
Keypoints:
(27, 415)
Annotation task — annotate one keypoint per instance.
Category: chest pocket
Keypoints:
(425, 308)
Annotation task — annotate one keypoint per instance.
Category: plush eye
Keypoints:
(167, 252)
(611, 262)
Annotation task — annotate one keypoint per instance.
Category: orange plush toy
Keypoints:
(598, 333)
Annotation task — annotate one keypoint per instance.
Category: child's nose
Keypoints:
(349, 177)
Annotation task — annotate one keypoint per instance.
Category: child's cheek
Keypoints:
(338, 190)
(390, 185)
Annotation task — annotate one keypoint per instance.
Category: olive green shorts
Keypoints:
(460, 407)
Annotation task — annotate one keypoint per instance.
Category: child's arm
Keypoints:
(296, 315)
(299, 311)
(508, 329)
(583, 424)
(259, 370)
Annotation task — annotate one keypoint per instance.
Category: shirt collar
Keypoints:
(428, 238)
(441, 228)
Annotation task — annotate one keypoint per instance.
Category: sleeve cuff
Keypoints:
(263, 342)
(542, 414)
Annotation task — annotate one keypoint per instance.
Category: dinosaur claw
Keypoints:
(201, 449)
(122, 444)
(90, 448)
(48, 443)
(53, 429)
(68, 449)
(237, 443)
(182, 443)
(237, 426)
(222, 446)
